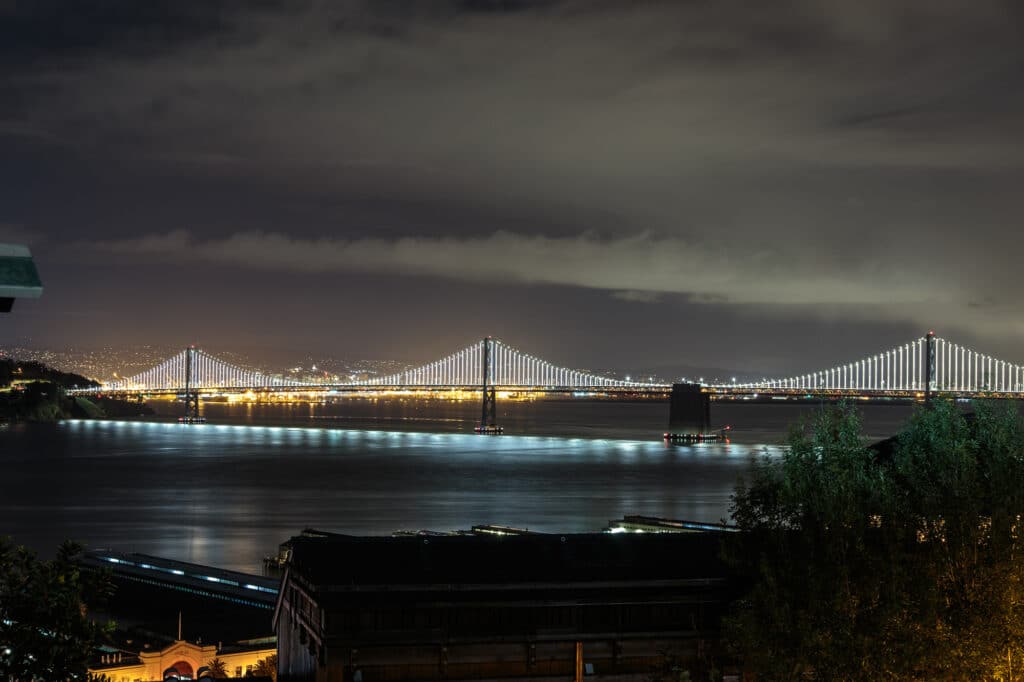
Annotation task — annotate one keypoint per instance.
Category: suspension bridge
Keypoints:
(487, 362)
(916, 371)
(927, 365)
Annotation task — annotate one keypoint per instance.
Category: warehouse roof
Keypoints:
(341, 560)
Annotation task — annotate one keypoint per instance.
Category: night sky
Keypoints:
(773, 186)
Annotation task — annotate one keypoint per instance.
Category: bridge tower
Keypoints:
(489, 410)
(191, 396)
(930, 376)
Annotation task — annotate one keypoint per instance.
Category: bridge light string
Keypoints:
(964, 368)
(954, 368)
(961, 368)
(207, 371)
(509, 367)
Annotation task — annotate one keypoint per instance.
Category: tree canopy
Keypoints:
(218, 668)
(45, 630)
(894, 562)
(266, 667)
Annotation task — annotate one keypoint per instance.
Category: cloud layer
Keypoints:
(560, 86)
(811, 154)
(630, 265)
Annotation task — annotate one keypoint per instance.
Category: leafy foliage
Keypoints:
(45, 631)
(872, 564)
(218, 669)
(266, 667)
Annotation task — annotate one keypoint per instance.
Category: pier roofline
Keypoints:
(245, 589)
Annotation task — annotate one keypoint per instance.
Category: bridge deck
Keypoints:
(357, 389)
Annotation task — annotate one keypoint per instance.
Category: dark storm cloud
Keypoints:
(812, 153)
(631, 266)
(553, 85)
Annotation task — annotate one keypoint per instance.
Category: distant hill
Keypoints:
(674, 373)
(31, 391)
(16, 371)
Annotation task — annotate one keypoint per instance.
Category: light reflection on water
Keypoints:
(228, 493)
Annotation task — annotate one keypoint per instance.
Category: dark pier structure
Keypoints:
(689, 417)
(609, 606)
(217, 604)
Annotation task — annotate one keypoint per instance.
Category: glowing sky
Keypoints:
(769, 186)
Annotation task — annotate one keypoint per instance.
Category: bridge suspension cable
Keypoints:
(508, 368)
(206, 370)
(929, 363)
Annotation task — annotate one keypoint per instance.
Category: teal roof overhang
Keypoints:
(18, 275)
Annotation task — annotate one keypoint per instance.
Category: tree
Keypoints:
(266, 667)
(962, 482)
(45, 631)
(885, 563)
(218, 670)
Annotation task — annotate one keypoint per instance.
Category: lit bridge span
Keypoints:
(489, 362)
(924, 367)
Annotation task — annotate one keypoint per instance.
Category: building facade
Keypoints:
(618, 606)
(185, 657)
